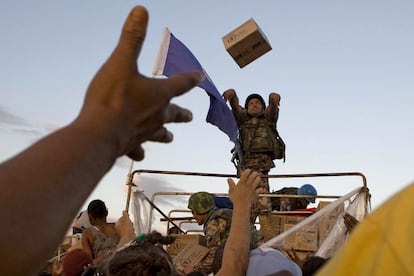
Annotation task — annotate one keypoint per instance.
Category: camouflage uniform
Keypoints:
(257, 149)
(285, 203)
(216, 229)
(216, 226)
(293, 203)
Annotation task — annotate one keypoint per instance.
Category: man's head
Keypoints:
(255, 105)
(97, 210)
(200, 204)
(308, 189)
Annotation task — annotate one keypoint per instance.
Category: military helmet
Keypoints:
(308, 189)
(201, 202)
(254, 96)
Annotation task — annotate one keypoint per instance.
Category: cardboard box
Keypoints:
(246, 43)
(271, 225)
(181, 242)
(334, 214)
(294, 219)
(190, 255)
(325, 227)
(305, 239)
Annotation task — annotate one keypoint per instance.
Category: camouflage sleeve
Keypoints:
(206, 264)
(213, 231)
(213, 240)
(239, 115)
(272, 113)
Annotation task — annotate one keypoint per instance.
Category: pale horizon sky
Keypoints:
(344, 70)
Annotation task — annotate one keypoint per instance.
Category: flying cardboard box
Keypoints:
(246, 43)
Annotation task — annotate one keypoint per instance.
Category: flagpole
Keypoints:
(129, 183)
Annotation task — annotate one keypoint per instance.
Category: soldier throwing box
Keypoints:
(259, 140)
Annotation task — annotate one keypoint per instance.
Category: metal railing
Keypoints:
(306, 175)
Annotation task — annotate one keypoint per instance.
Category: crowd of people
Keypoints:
(70, 162)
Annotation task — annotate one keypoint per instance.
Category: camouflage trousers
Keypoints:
(262, 163)
(263, 204)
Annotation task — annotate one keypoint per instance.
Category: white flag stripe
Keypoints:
(162, 54)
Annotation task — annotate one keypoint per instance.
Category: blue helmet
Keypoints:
(308, 189)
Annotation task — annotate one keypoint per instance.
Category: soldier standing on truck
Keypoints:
(259, 142)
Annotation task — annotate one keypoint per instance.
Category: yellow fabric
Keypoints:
(382, 244)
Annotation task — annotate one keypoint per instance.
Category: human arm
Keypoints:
(87, 241)
(350, 222)
(125, 229)
(236, 250)
(48, 182)
(272, 110)
(230, 95)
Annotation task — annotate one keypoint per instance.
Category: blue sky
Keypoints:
(344, 70)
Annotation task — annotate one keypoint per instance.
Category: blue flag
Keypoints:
(173, 58)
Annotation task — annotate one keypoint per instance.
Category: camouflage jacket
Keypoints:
(257, 137)
(285, 203)
(216, 229)
(217, 226)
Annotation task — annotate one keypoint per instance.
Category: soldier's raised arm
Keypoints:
(230, 95)
(273, 108)
(236, 251)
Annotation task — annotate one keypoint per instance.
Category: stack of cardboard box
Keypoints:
(305, 239)
(309, 237)
(328, 221)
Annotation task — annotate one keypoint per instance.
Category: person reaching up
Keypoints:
(120, 112)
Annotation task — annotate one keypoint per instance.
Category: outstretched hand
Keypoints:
(136, 106)
(245, 190)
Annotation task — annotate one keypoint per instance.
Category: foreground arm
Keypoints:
(48, 182)
(236, 250)
(125, 229)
